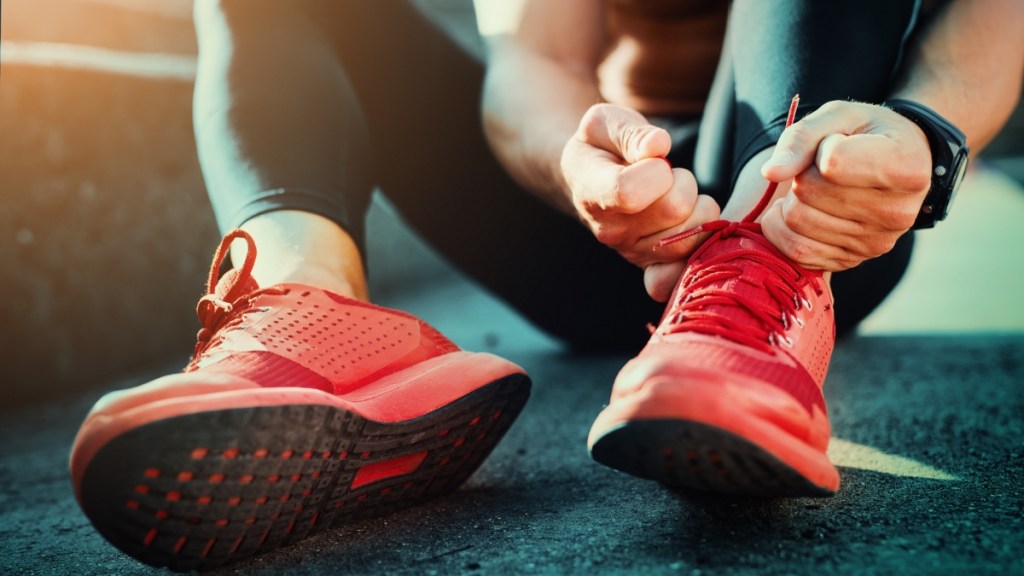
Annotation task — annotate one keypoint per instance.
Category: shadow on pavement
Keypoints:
(540, 505)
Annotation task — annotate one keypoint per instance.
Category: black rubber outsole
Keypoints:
(198, 491)
(683, 455)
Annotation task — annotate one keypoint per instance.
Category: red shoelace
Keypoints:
(220, 308)
(703, 305)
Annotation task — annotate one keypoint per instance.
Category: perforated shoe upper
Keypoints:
(739, 287)
(295, 333)
(299, 335)
(756, 329)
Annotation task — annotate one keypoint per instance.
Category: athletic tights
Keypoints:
(311, 104)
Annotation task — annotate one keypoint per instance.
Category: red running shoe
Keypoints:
(300, 409)
(726, 396)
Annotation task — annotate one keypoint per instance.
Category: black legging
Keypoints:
(307, 105)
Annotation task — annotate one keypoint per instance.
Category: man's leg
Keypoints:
(302, 407)
(275, 118)
(727, 394)
(824, 51)
(421, 100)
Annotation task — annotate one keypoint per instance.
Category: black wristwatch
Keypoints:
(949, 158)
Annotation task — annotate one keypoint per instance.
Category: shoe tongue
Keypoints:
(746, 287)
(736, 241)
(232, 285)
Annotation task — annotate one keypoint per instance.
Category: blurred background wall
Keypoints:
(105, 225)
(105, 229)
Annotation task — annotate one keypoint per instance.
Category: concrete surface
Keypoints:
(929, 440)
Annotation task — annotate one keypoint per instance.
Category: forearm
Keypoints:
(532, 105)
(968, 65)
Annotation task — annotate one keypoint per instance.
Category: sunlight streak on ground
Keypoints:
(848, 454)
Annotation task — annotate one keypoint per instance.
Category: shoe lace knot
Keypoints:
(751, 294)
(230, 298)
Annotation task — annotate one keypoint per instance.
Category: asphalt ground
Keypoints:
(928, 437)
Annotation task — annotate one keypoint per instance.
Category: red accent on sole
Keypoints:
(230, 498)
(388, 469)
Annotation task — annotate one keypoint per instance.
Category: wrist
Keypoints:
(949, 153)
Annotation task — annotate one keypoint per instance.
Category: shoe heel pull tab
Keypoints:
(240, 278)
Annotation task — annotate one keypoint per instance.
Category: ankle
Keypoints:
(310, 275)
(304, 248)
(750, 186)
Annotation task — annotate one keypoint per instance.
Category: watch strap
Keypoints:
(949, 149)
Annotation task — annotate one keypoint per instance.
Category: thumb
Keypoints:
(623, 132)
(794, 153)
(798, 146)
(661, 278)
(640, 141)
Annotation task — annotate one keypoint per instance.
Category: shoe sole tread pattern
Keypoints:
(197, 491)
(683, 454)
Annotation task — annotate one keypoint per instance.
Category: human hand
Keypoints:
(630, 197)
(860, 174)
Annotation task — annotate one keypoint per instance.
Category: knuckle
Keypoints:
(688, 180)
(798, 249)
(834, 106)
(795, 218)
(844, 264)
(678, 207)
(583, 198)
(622, 198)
(885, 217)
(904, 220)
(798, 133)
(832, 164)
(880, 246)
(898, 218)
(631, 135)
(866, 247)
(609, 235)
(593, 120)
(707, 206)
(917, 178)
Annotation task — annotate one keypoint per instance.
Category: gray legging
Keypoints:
(309, 104)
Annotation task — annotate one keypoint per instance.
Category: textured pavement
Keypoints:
(928, 438)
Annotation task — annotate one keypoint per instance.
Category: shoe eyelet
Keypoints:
(777, 339)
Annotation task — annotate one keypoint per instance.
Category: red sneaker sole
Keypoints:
(698, 429)
(684, 454)
(198, 490)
